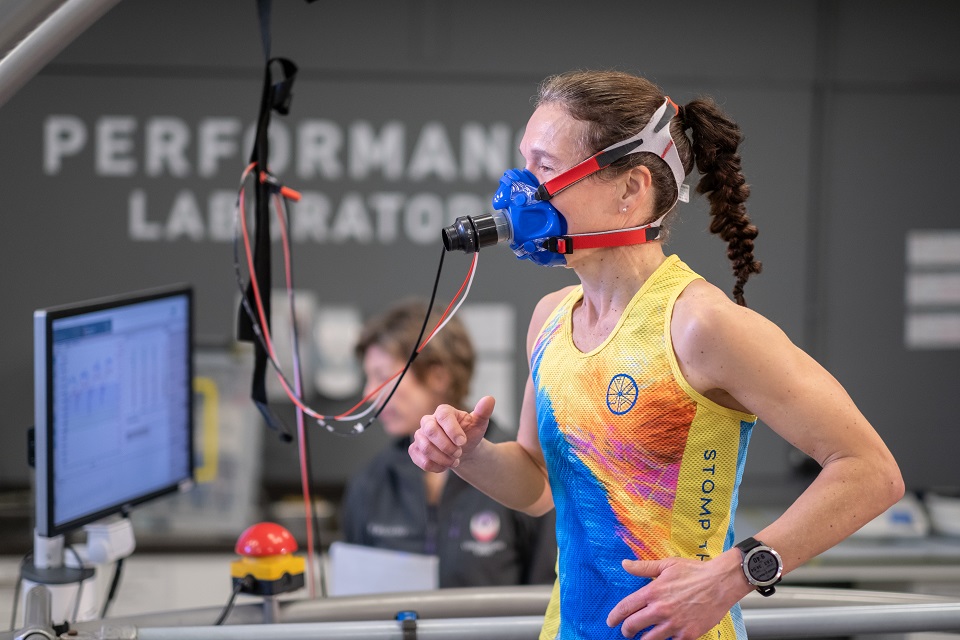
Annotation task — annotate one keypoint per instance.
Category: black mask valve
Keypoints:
(469, 233)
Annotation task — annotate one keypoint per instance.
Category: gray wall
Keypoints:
(847, 108)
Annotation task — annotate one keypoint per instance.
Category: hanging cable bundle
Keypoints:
(276, 95)
(256, 310)
(254, 313)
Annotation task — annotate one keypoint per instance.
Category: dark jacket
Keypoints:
(479, 541)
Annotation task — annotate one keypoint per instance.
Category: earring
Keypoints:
(624, 209)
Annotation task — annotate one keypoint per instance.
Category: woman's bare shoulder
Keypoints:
(713, 336)
(544, 308)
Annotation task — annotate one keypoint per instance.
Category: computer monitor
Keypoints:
(113, 404)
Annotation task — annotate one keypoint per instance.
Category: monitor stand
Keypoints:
(68, 572)
(73, 594)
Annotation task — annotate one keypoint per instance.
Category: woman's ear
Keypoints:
(637, 188)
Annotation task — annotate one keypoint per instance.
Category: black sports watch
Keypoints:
(761, 565)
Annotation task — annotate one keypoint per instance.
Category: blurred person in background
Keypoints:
(393, 504)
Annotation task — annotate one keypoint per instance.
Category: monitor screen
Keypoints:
(113, 403)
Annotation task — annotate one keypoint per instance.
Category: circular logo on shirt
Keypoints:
(621, 394)
(485, 526)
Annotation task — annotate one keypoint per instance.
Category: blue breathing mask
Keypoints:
(520, 219)
(531, 221)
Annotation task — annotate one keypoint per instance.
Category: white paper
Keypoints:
(357, 570)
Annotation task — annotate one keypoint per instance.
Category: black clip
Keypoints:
(559, 244)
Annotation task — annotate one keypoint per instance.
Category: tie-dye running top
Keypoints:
(640, 464)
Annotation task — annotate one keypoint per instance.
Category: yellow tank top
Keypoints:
(640, 464)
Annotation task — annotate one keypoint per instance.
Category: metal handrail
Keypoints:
(515, 613)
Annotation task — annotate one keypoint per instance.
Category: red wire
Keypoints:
(262, 315)
(367, 397)
(436, 328)
(294, 397)
(301, 435)
(473, 264)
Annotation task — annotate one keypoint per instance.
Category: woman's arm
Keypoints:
(513, 473)
(738, 359)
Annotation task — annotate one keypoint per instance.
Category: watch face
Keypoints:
(763, 566)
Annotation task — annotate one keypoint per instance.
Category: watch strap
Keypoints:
(745, 546)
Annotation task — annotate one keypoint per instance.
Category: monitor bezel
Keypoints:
(43, 406)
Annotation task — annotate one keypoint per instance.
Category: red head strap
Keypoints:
(653, 138)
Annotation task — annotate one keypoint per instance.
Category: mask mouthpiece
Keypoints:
(470, 233)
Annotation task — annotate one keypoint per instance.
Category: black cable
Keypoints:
(426, 320)
(237, 585)
(258, 332)
(18, 586)
(114, 584)
(76, 605)
(359, 427)
(16, 590)
(413, 355)
(416, 345)
(117, 572)
(16, 600)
